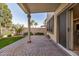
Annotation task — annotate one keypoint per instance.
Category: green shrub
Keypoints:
(9, 35)
(1, 36)
(27, 33)
(31, 33)
(38, 33)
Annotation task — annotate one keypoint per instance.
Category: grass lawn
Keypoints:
(7, 33)
(6, 41)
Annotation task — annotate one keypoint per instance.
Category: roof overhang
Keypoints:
(39, 7)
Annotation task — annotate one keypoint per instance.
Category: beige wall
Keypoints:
(35, 30)
(60, 9)
(69, 36)
(54, 36)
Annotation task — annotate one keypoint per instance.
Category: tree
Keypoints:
(35, 24)
(18, 28)
(5, 16)
(32, 23)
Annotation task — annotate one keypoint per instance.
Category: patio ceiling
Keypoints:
(39, 7)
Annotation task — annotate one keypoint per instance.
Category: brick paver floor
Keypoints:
(40, 46)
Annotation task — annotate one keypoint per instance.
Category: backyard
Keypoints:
(8, 40)
(12, 27)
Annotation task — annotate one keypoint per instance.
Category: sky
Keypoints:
(19, 17)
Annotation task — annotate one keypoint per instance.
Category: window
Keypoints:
(50, 25)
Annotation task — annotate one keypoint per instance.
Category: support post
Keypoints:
(29, 17)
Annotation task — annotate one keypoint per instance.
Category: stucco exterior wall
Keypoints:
(58, 11)
(69, 34)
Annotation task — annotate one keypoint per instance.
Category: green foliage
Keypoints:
(18, 28)
(33, 23)
(38, 33)
(25, 34)
(36, 23)
(1, 36)
(6, 41)
(9, 35)
(31, 33)
(7, 16)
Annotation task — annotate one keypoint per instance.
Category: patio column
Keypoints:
(29, 17)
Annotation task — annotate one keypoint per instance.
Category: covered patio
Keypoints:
(30, 8)
(40, 46)
(35, 45)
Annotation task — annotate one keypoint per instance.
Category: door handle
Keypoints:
(68, 29)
